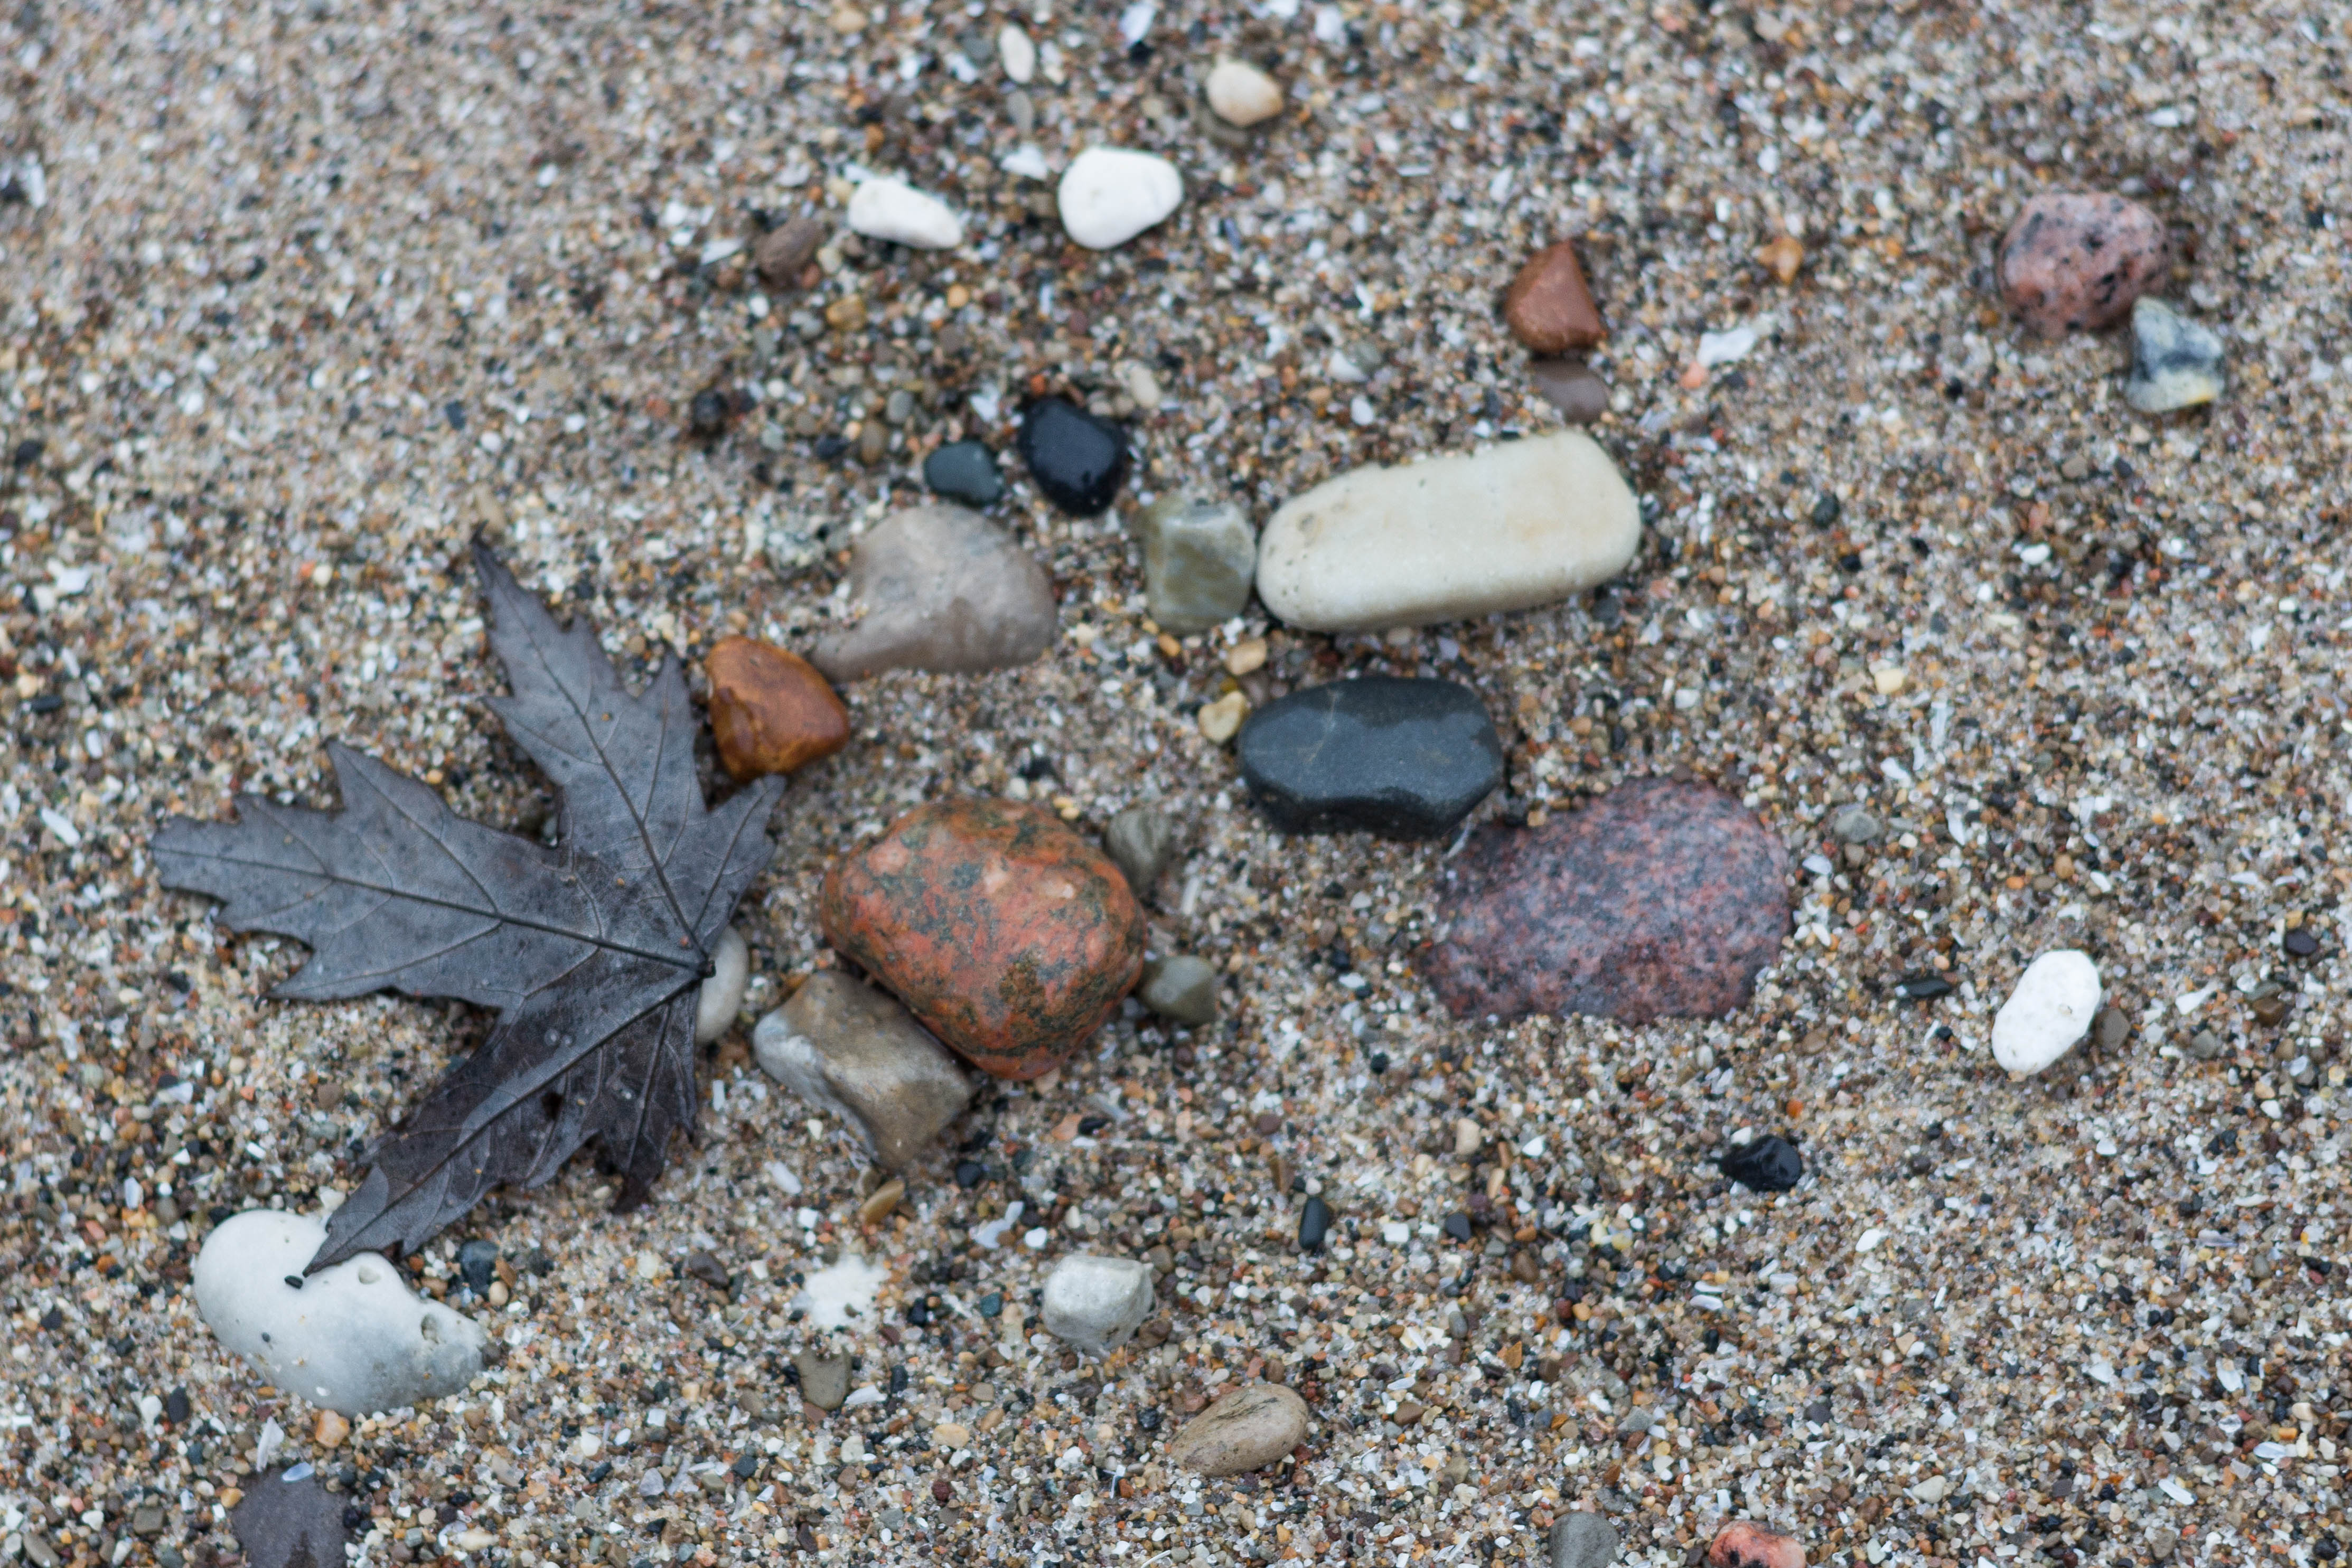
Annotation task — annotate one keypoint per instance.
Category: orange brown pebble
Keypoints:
(771, 711)
(1009, 935)
(1744, 1544)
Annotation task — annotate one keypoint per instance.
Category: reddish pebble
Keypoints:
(783, 253)
(771, 712)
(1009, 935)
(1744, 1544)
(1548, 308)
(2074, 261)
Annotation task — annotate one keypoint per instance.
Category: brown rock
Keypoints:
(783, 253)
(1662, 899)
(845, 1047)
(1548, 308)
(1744, 1544)
(1784, 253)
(2075, 261)
(771, 712)
(1247, 1428)
(1009, 935)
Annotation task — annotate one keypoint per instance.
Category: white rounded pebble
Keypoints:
(1109, 194)
(351, 1338)
(722, 994)
(1018, 54)
(894, 210)
(2051, 1007)
(1241, 94)
(1096, 1304)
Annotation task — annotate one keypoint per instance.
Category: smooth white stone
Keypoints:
(2053, 1007)
(894, 210)
(1519, 525)
(1018, 54)
(722, 994)
(1096, 1304)
(1109, 194)
(1243, 95)
(352, 1338)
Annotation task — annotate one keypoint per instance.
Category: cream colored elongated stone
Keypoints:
(1514, 525)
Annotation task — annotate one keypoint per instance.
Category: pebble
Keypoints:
(285, 1519)
(1110, 194)
(1661, 899)
(944, 590)
(1406, 759)
(1241, 94)
(1743, 1543)
(1247, 1428)
(1140, 840)
(846, 1048)
(1198, 559)
(965, 471)
(1220, 720)
(2050, 1011)
(351, 1338)
(1769, 1164)
(824, 1378)
(1096, 1304)
(2075, 261)
(1548, 308)
(721, 996)
(1314, 1225)
(1519, 525)
(2175, 362)
(1181, 987)
(1005, 931)
(1782, 255)
(1572, 387)
(1855, 825)
(783, 253)
(1077, 460)
(1582, 1539)
(771, 711)
(1018, 54)
(894, 210)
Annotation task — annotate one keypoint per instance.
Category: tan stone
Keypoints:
(1247, 1428)
(771, 711)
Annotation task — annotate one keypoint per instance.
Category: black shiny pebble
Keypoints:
(1764, 1165)
(1314, 1225)
(478, 1261)
(1077, 460)
(964, 471)
(970, 1174)
(1403, 759)
(1923, 987)
(2300, 943)
(1457, 1225)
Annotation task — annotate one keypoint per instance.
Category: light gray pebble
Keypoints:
(1096, 1304)
(1181, 988)
(1198, 557)
(1140, 841)
(2175, 362)
(1584, 1540)
(942, 589)
(824, 1378)
(1855, 825)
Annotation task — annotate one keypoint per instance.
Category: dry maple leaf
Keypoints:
(592, 952)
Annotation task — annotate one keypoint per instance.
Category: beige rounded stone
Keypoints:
(1246, 1430)
(1243, 95)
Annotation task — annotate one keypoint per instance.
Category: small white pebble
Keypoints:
(1241, 94)
(1110, 194)
(894, 210)
(1018, 55)
(2050, 1011)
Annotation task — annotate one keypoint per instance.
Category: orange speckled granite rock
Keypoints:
(1009, 935)
(1743, 1543)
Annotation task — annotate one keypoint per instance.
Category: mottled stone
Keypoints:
(942, 589)
(1095, 1304)
(1077, 460)
(1404, 758)
(1198, 559)
(965, 471)
(1769, 1164)
(1181, 988)
(846, 1048)
(2075, 261)
(1549, 307)
(1006, 932)
(1744, 1544)
(824, 1378)
(1584, 1540)
(1572, 387)
(783, 253)
(1517, 525)
(1140, 841)
(2175, 362)
(1247, 1428)
(771, 711)
(1661, 899)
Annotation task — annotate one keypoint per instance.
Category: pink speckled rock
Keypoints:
(2074, 261)
(1661, 899)
(1743, 1543)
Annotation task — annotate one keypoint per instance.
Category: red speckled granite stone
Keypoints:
(1661, 899)
(1009, 935)
(2074, 261)
(1744, 1544)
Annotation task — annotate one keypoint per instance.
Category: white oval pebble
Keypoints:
(351, 1337)
(2051, 1007)
(1109, 194)
(894, 210)
(722, 994)
(1241, 94)
(1096, 1304)
(1019, 55)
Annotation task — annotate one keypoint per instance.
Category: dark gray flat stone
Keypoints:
(1403, 759)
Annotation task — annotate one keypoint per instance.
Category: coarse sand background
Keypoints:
(297, 297)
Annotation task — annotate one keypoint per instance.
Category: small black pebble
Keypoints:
(2300, 943)
(53, 1320)
(478, 1264)
(707, 414)
(1764, 1165)
(1089, 1127)
(601, 1468)
(294, 1281)
(964, 471)
(1457, 1225)
(1314, 1225)
(1923, 987)
(1149, 1422)
(1077, 460)
(1379, 1062)
(746, 1468)
(176, 1408)
(1826, 511)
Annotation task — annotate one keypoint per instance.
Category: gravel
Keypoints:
(298, 299)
